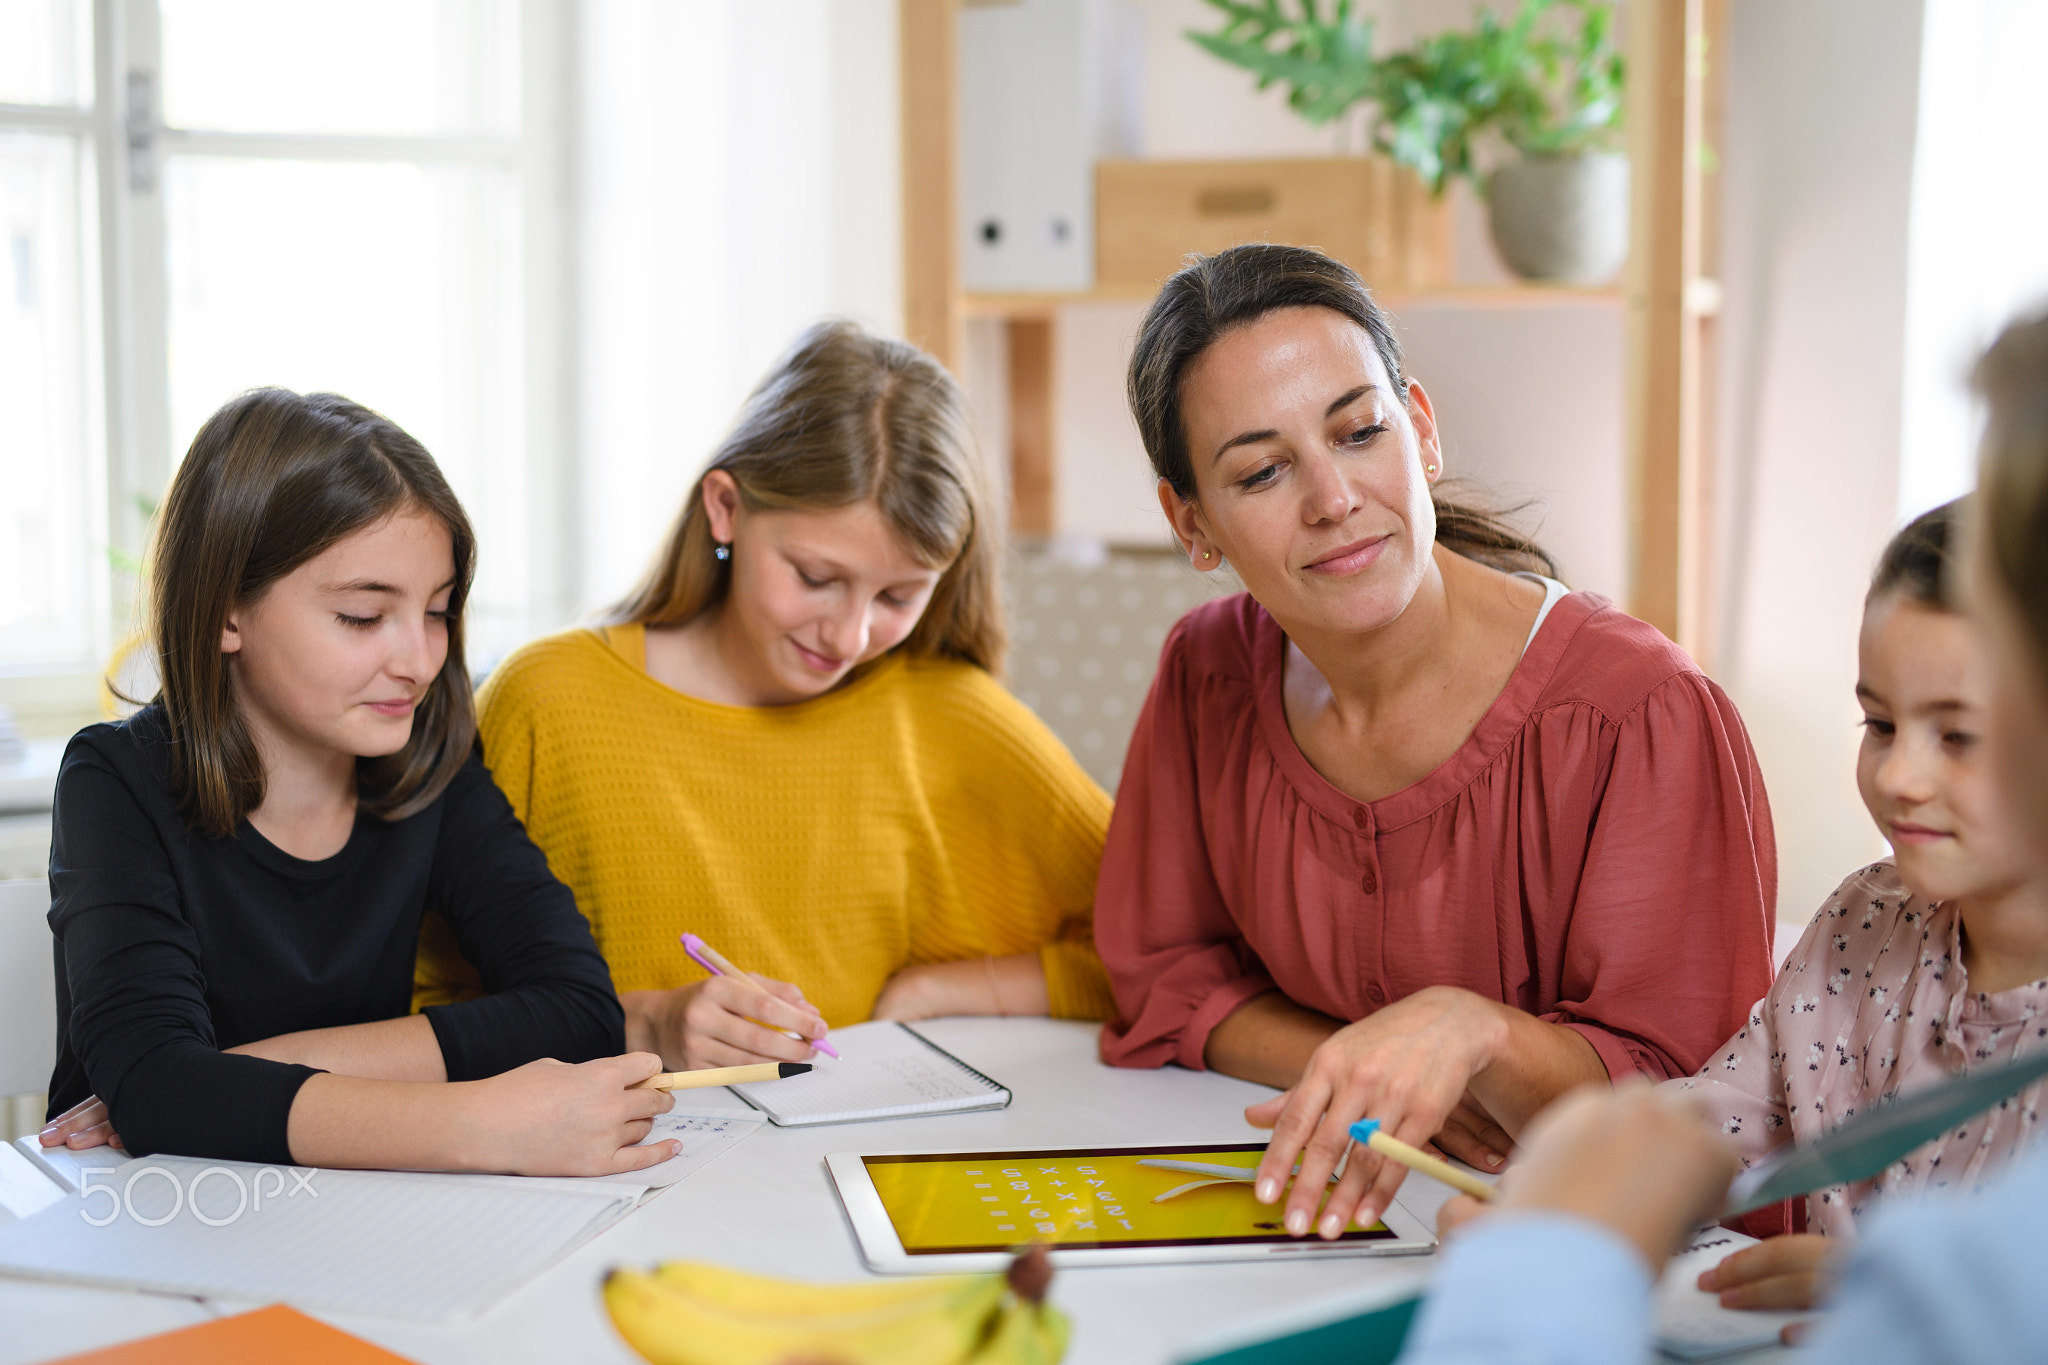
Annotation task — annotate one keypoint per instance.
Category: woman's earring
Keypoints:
(721, 553)
(1429, 469)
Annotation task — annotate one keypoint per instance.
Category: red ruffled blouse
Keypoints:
(1597, 853)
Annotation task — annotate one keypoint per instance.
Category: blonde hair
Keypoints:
(847, 417)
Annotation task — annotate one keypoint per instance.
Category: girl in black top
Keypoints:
(238, 872)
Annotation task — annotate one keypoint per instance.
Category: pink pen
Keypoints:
(716, 963)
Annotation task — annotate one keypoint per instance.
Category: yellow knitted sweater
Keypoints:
(918, 813)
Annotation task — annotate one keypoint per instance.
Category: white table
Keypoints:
(768, 1205)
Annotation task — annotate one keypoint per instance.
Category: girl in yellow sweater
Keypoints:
(788, 740)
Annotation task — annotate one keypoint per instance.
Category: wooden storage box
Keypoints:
(1375, 216)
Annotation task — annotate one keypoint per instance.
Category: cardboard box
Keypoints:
(1369, 213)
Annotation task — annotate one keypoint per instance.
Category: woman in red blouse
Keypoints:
(1405, 828)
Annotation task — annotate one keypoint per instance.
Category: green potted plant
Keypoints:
(1528, 109)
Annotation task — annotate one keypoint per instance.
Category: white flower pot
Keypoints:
(1562, 219)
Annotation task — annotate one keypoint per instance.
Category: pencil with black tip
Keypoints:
(723, 1075)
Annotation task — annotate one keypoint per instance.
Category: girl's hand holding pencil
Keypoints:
(734, 1019)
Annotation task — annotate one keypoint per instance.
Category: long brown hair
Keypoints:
(273, 479)
(1214, 294)
(2013, 481)
(847, 417)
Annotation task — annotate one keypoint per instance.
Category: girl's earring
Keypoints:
(722, 553)
(1429, 469)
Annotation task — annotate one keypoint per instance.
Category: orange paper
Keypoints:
(276, 1333)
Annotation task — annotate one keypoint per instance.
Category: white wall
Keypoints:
(1817, 173)
(723, 212)
(1530, 402)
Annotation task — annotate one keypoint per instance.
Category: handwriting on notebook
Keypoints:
(887, 1071)
(927, 1077)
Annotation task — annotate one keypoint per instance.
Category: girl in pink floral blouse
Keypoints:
(1914, 969)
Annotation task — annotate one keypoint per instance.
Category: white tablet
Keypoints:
(941, 1212)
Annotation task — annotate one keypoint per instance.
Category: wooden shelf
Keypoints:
(1042, 305)
(1671, 295)
(1503, 296)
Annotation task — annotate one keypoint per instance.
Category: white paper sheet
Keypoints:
(382, 1243)
(1691, 1323)
(706, 1136)
(25, 1188)
(885, 1071)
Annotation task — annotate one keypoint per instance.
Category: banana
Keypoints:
(672, 1328)
(1026, 1334)
(689, 1313)
(739, 1290)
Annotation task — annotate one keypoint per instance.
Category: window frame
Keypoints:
(124, 130)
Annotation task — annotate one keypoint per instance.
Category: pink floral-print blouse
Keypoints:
(1873, 1002)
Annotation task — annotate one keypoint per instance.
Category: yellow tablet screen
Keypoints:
(1100, 1197)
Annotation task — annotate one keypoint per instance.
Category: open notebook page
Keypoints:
(391, 1244)
(885, 1071)
(705, 1136)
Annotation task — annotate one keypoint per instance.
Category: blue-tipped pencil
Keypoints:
(1366, 1132)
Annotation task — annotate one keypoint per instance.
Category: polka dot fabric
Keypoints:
(1085, 641)
(1874, 1002)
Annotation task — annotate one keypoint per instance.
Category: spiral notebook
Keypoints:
(886, 1071)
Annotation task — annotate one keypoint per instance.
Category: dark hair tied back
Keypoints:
(1214, 294)
(1920, 560)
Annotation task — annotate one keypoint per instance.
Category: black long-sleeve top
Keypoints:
(172, 947)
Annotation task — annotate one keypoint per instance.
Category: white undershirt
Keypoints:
(1552, 592)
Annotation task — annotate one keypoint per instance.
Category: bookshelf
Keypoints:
(1669, 293)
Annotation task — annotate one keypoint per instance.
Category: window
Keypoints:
(558, 243)
(52, 584)
(327, 195)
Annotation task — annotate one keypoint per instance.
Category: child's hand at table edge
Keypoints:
(85, 1124)
(1642, 1163)
(555, 1118)
(1785, 1274)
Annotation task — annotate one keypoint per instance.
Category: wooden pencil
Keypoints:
(723, 1075)
(1367, 1132)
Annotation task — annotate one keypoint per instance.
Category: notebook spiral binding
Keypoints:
(978, 1075)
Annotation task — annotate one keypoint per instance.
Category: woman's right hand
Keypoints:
(85, 1124)
(724, 1021)
(552, 1118)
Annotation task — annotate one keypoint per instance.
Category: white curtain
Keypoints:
(1978, 244)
